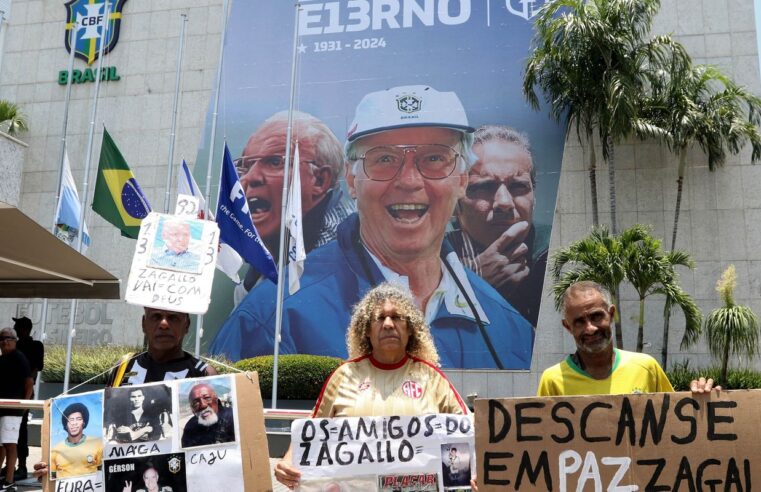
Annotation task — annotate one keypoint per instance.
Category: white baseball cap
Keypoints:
(408, 106)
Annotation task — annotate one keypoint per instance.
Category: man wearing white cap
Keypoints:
(408, 151)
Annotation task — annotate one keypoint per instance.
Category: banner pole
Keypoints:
(173, 133)
(282, 247)
(85, 184)
(61, 154)
(212, 137)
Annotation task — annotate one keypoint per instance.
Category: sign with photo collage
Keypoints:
(169, 436)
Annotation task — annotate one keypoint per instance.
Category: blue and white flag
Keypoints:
(235, 225)
(69, 210)
(228, 260)
(296, 252)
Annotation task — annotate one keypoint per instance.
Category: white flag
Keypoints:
(296, 253)
(228, 260)
(69, 209)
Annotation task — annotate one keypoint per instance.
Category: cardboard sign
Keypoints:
(173, 265)
(659, 442)
(184, 454)
(428, 452)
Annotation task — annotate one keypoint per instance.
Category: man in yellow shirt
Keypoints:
(77, 454)
(597, 368)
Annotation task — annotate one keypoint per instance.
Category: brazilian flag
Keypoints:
(118, 198)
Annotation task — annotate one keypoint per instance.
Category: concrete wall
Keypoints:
(137, 111)
(12, 154)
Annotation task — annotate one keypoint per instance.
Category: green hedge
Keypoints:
(89, 362)
(681, 374)
(300, 377)
(86, 363)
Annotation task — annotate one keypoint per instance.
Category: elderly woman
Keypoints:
(392, 368)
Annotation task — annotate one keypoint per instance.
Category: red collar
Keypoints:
(388, 367)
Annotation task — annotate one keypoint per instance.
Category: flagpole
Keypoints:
(172, 135)
(61, 154)
(85, 186)
(283, 213)
(213, 136)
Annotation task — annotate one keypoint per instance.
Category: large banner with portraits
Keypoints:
(420, 163)
(172, 436)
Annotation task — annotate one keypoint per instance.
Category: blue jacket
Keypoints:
(335, 277)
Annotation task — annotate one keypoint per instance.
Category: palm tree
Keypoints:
(702, 106)
(650, 270)
(731, 329)
(594, 66)
(600, 257)
(12, 120)
(705, 107)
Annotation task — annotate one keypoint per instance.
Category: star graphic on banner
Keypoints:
(302, 48)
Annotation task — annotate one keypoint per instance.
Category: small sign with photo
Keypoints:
(162, 473)
(173, 265)
(207, 411)
(137, 420)
(75, 433)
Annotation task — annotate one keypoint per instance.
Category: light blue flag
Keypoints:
(69, 209)
(235, 225)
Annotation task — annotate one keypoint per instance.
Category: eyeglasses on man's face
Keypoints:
(269, 165)
(7, 339)
(433, 161)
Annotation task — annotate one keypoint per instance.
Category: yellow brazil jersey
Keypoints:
(72, 460)
(632, 372)
(366, 387)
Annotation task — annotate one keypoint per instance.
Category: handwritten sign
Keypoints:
(428, 452)
(664, 441)
(173, 265)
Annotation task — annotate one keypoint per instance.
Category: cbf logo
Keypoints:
(409, 103)
(524, 8)
(88, 15)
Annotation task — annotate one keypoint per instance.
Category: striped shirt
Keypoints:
(141, 368)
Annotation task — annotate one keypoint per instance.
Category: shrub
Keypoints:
(300, 377)
(86, 363)
(89, 362)
(681, 374)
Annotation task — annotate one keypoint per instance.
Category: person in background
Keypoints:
(34, 351)
(15, 384)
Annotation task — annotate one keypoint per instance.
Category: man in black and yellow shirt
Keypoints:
(164, 360)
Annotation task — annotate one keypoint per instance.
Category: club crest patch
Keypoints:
(412, 389)
(175, 465)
